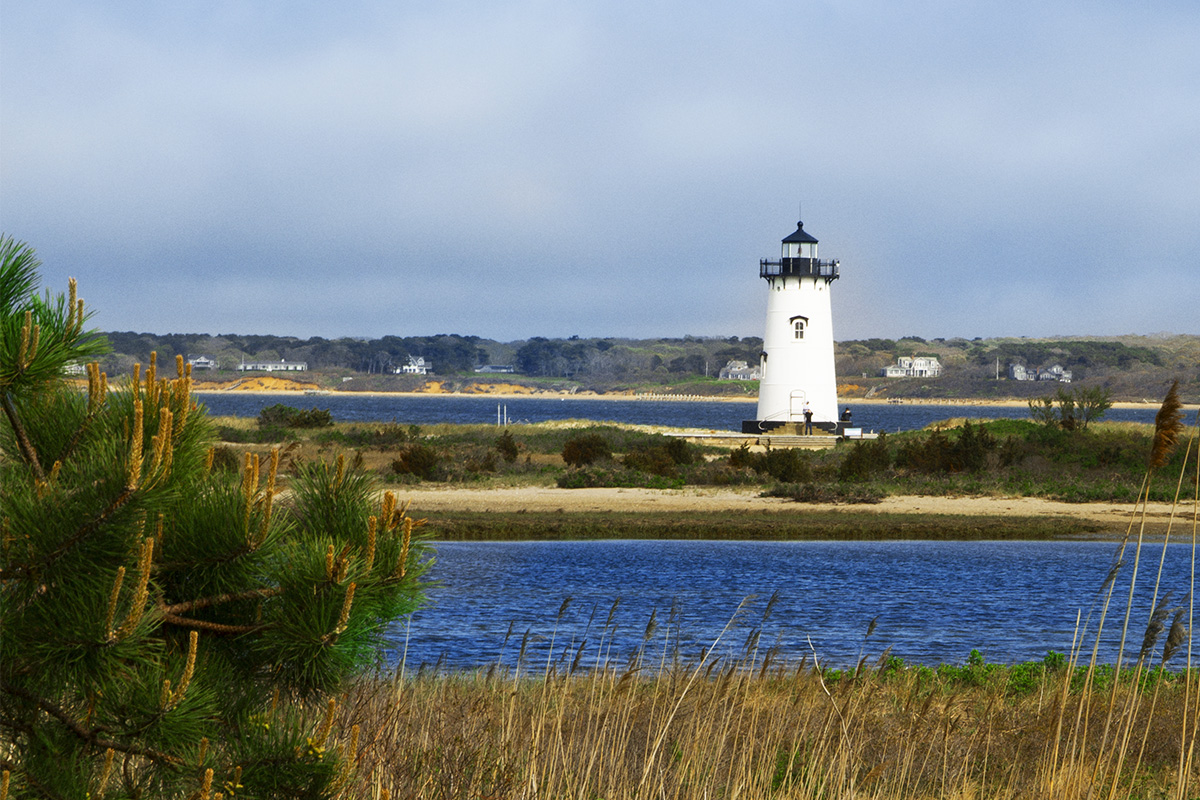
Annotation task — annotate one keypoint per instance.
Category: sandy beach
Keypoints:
(285, 387)
(1114, 517)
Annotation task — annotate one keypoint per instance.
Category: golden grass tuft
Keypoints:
(1168, 425)
(740, 731)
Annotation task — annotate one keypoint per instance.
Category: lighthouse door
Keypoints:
(796, 407)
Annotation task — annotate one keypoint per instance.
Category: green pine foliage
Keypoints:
(168, 629)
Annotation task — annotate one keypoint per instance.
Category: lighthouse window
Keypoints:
(798, 328)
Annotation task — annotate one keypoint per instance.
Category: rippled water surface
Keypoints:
(934, 601)
(715, 415)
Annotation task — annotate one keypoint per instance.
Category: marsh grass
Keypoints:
(749, 724)
(752, 727)
(755, 525)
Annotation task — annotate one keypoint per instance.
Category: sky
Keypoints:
(606, 168)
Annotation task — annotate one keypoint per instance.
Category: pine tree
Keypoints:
(168, 629)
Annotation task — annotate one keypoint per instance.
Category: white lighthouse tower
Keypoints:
(796, 367)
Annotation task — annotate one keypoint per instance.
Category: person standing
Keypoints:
(807, 419)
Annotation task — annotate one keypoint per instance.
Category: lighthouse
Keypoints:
(796, 369)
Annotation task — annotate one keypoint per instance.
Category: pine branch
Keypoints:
(205, 602)
(77, 437)
(90, 736)
(22, 438)
(121, 500)
(215, 627)
(15, 768)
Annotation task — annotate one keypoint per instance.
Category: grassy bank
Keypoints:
(756, 729)
(1102, 463)
(844, 525)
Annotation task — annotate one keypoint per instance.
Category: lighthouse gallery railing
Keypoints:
(805, 267)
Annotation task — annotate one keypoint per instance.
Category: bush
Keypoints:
(1071, 409)
(588, 448)
(419, 460)
(387, 436)
(864, 460)
(787, 466)
(938, 453)
(599, 477)
(225, 458)
(660, 458)
(506, 446)
(718, 474)
(281, 416)
(825, 493)
(157, 611)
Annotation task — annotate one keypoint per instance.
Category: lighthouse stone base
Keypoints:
(782, 428)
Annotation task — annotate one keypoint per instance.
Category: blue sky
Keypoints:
(606, 168)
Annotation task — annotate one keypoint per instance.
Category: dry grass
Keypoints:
(738, 731)
(757, 729)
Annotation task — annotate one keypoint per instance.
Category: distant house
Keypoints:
(1019, 372)
(273, 366)
(497, 369)
(75, 369)
(913, 367)
(738, 371)
(202, 362)
(416, 365)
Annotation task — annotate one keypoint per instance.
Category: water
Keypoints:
(935, 601)
(714, 415)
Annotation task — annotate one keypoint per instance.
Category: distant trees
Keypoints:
(1069, 353)
(1071, 409)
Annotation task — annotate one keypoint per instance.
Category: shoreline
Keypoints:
(650, 397)
(1112, 519)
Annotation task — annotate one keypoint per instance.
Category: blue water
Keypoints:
(715, 415)
(935, 601)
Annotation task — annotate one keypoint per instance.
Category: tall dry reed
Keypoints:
(754, 726)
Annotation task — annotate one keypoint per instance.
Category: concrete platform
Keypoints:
(813, 442)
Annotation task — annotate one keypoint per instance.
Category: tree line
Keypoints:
(450, 354)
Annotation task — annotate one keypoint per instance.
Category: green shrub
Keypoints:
(1071, 409)
(654, 460)
(599, 477)
(660, 457)
(387, 436)
(282, 416)
(716, 473)
(506, 446)
(864, 460)
(787, 466)
(585, 449)
(227, 433)
(937, 452)
(225, 458)
(420, 460)
(826, 493)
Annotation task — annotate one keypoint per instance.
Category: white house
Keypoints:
(1019, 372)
(273, 366)
(738, 371)
(913, 367)
(416, 365)
(202, 362)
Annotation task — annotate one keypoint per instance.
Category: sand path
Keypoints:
(430, 500)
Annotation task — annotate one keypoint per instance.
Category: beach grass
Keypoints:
(757, 728)
(752, 525)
